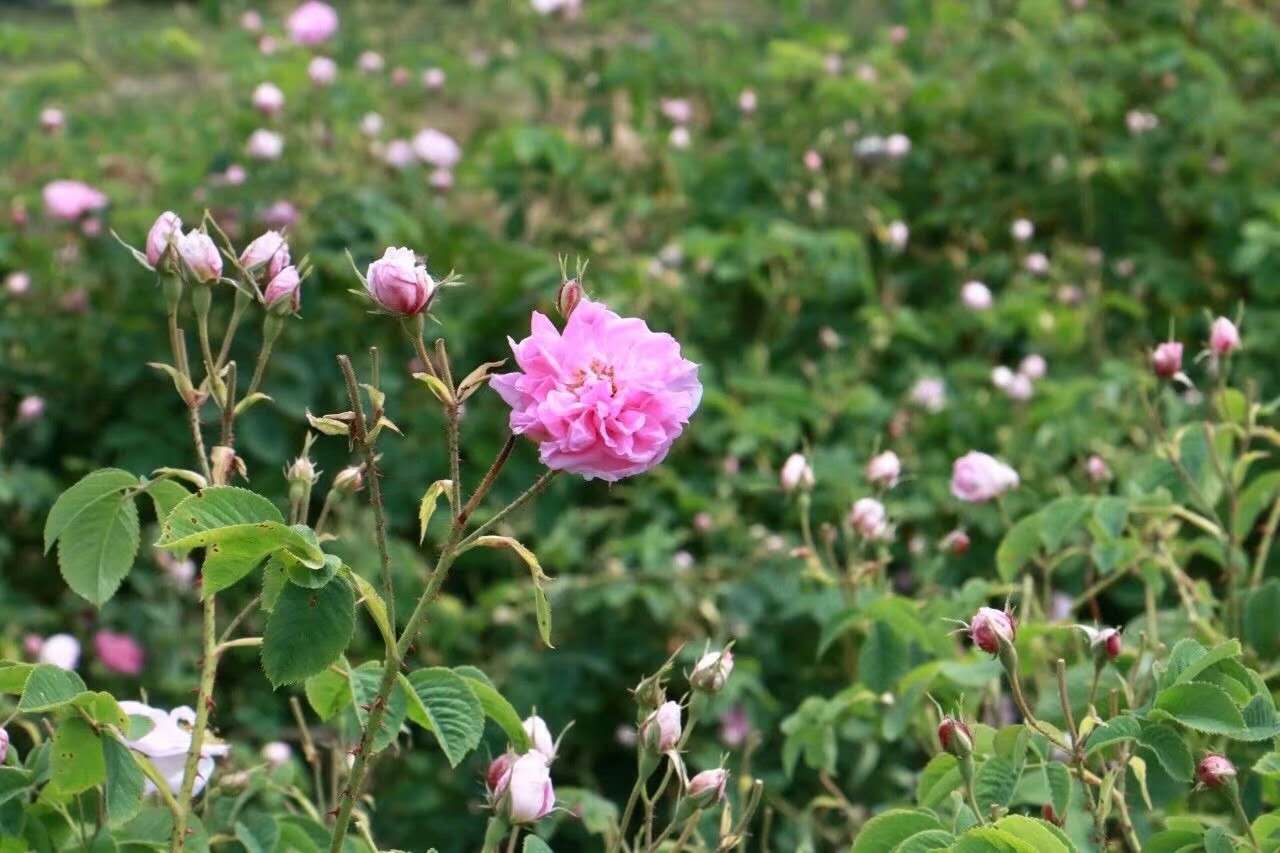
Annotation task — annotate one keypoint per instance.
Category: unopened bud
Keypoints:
(707, 787)
(349, 479)
(569, 296)
(225, 463)
(955, 737)
(660, 732)
(796, 474)
(712, 671)
(1050, 815)
(1215, 770)
(992, 629)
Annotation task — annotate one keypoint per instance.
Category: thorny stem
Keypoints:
(1264, 547)
(490, 478)
(204, 700)
(529, 494)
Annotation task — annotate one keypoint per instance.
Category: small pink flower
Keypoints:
(164, 232)
(268, 99)
(119, 653)
(1036, 263)
(955, 543)
(433, 79)
(436, 148)
(525, 788)
(251, 21)
(1097, 469)
(1224, 337)
(680, 138)
(1215, 770)
(399, 284)
(281, 214)
(371, 62)
(264, 144)
(312, 23)
(677, 110)
(708, 786)
(869, 518)
(4, 745)
(930, 394)
(897, 235)
(17, 283)
(747, 101)
(30, 408)
(976, 296)
(606, 398)
(977, 477)
(661, 730)
(990, 628)
(812, 160)
(735, 727)
(200, 255)
(1033, 366)
(52, 120)
(1166, 359)
(897, 146)
(371, 124)
(71, 200)
(440, 180)
(1022, 230)
(399, 154)
(284, 290)
(884, 469)
(322, 71)
(796, 474)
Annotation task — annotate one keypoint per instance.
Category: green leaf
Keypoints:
(1184, 653)
(988, 839)
(49, 687)
(365, 680)
(307, 630)
(1020, 544)
(1223, 651)
(994, 782)
(102, 708)
(1268, 765)
(1261, 627)
(542, 607)
(257, 832)
(445, 704)
(922, 842)
(941, 776)
(1117, 730)
(427, 508)
(124, 782)
(328, 692)
(103, 485)
(97, 542)
(1254, 499)
(1059, 783)
(1170, 749)
(1110, 515)
(598, 815)
(534, 844)
(1202, 707)
(373, 603)
(883, 659)
(1043, 836)
(1172, 841)
(1061, 518)
(77, 759)
(1216, 840)
(884, 831)
(166, 494)
(496, 707)
(1260, 719)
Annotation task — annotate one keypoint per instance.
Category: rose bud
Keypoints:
(884, 469)
(399, 284)
(1051, 816)
(1036, 263)
(991, 629)
(1022, 230)
(302, 470)
(17, 283)
(52, 119)
(897, 235)
(322, 70)
(498, 776)
(712, 671)
(955, 737)
(540, 736)
(349, 479)
(1097, 469)
(371, 124)
(268, 99)
(1166, 359)
(4, 745)
(433, 79)
(707, 787)
(812, 160)
(251, 21)
(164, 232)
(978, 477)
(200, 256)
(277, 753)
(796, 474)
(529, 793)
(440, 180)
(1215, 770)
(284, 292)
(30, 408)
(975, 296)
(1224, 337)
(660, 732)
(370, 62)
(748, 101)
(869, 518)
(312, 23)
(60, 650)
(264, 251)
(956, 542)
(569, 296)
(1033, 366)
(264, 144)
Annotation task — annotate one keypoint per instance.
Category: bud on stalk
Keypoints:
(569, 296)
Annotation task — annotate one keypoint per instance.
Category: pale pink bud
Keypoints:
(898, 34)
(268, 99)
(1019, 388)
(955, 737)
(52, 119)
(119, 653)
(436, 148)
(277, 753)
(433, 79)
(312, 23)
(1001, 377)
(978, 477)
(540, 736)
(400, 76)
(399, 154)
(17, 283)
(712, 671)
(200, 255)
(1141, 121)
(281, 214)
(371, 62)
(264, 144)
(930, 394)
(897, 145)
(660, 732)
(1036, 263)
(677, 110)
(1022, 230)
(708, 787)
(530, 795)
(349, 479)
(747, 101)
(1096, 467)
(1215, 770)
(251, 21)
(975, 296)
(1108, 642)
(956, 542)
(568, 297)
(269, 249)
(1033, 366)
(796, 474)
(990, 628)
(441, 180)
(498, 776)
(1224, 337)
(870, 519)
(284, 290)
(812, 160)
(680, 137)
(235, 175)
(399, 284)
(322, 71)
(1166, 359)
(60, 650)
(371, 124)
(30, 408)
(897, 235)
(268, 45)
(884, 469)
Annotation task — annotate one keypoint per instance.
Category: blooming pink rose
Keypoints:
(312, 23)
(607, 398)
(708, 786)
(70, 200)
(251, 21)
(399, 284)
(436, 148)
(661, 730)
(119, 653)
(1166, 359)
(268, 99)
(1022, 230)
(322, 71)
(977, 477)
(1097, 469)
(990, 628)
(60, 650)
(929, 393)
(1033, 366)
(284, 289)
(164, 232)
(812, 160)
(1224, 337)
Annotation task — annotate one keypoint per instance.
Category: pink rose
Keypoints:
(371, 62)
(812, 160)
(796, 474)
(955, 737)
(1033, 366)
(399, 154)
(433, 79)
(1022, 230)
(164, 231)
(30, 408)
(748, 101)
(264, 144)
(1224, 337)
(884, 469)
(119, 653)
(268, 99)
(677, 110)
(976, 296)
(60, 650)
(606, 398)
(990, 628)
(929, 393)
(977, 477)
(371, 124)
(251, 21)
(399, 284)
(436, 149)
(4, 745)
(870, 519)
(52, 119)
(1166, 359)
(540, 737)
(440, 180)
(284, 290)
(70, 200)
(712, 671)
(529, 795)
(312, 23)
(1097, 469)
(322, 71)
(281, 214)
(17, 283)
(661, 730)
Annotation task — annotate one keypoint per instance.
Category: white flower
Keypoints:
(167, 742)
(61, 650)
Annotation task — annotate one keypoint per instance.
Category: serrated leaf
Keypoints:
(48, 687)
(328, 692)
(542, 607)
(365, 680)
(1184, 653)
(1200, 706)
(101, 485)
(307, 630)
(446, 704)
(922, 842)
(883, 659)
(1254, 499)
(1042, 836)
(1223, 651)
(125, 782)
(76, 760)
(884, 831)
(165, 495)
(98, 537)
(257, 832)
(940, 777)
(994, 783)
(1062, 517)
(1058, 779)
(1261, 627)
(1020, 543)
(1216, 840)
(427, 507)
(496, 707)
(1268, 765)
(1170, 749)
(1111, 514)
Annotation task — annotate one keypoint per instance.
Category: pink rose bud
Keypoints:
(677, 110)
(1110, 642)
(60, 650)
(399, 284)
(1215, 770)
(955, 737)
(1019, 388)
(1001, 377)
(569, 296)
(71, 200)
(870, 520)
(956, 542)
(977, 477)
(796, 474)
(322, 71)
(1047, 812)
(371, 62)
(433, 79)
(1224, 337)
(812, 160)
(540, 737)
(707, 787)
(898, 34)
(1022, 230)
(1166, 359)
(680, 137)
(1097, 469)
(1033, 366)
(436, 148)
(200, 255)
(975, 296)
(30, 408)
(349, 479)
(52, 119)
(521, 787)
(268, 99)
(277, 753)
(281, 214)
(440, 180)
(268, 248)
(312, 23)
(371, 124)
(164, 232)
(897, 235)
(498, 776)
(264, 144)
(897, 145)
(251, 21)
(747, 101)
(4, 745)
(399, 154)
(400, 76)
(712, 671)
(284, 292)
(884, 469)
(991, 628)
(660, 732)
(119, 653)
(930, 394)
(268, 45)
(17, 283)
(1036, 263)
